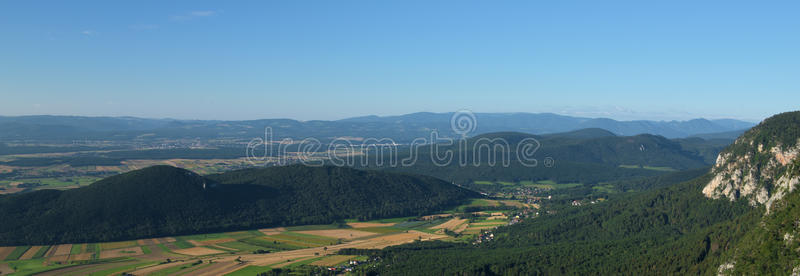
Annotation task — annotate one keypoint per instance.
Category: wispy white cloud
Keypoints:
(89, 32)
(192, 15)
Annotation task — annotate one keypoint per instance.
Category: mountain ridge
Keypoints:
(402, 128)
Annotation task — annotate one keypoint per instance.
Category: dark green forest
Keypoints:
(671, 230)
(587, 156)
(162, 200)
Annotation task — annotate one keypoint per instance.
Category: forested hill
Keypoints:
(762, 168)
(671, 230)
(163, 200)
(585, 156)
(739, 219)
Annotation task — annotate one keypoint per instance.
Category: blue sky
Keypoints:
(337, 59)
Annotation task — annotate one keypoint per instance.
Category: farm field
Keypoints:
(663, 169)
(36, 176)
(541, 184)
(257, 250)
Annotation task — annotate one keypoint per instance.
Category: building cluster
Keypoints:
(348, 266)
(581, 202)
(484, 237)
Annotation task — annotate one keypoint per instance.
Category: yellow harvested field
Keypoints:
(279, 265)
(471, 231)
(461, 228)
(369, 224)
(60, 259)
(519, 204)
(108, 169)
(333, 260)
(29, 254)
(272, 231)
(451, 224)
(164, 240)
(227, 264)
(115, 245)
(396, 239)
(197, 251)
(218, 269)
(11, 190)
(498, 217)
(81, 257)
(431, 217)
(121, 252)
(347, 234)
(153, 268)
(5, 269)
(5, 251)
(371, 243)
(5, 169)
(146, 242)
(62, 249)
(482, 227)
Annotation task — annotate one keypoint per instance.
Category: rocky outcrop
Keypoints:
(761, 175)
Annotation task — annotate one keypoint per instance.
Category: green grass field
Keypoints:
(304, 262)
(181, 269)
(124, 268)
(662, 169)
(17, 253)
(182, 243)
(482, 203)
(245, 234)
(205, 237)
(388, 220)
(381, 230)
(266, 243)
(165, 249)
(41, 252)
(605, 188)
(309, 238)
(77, 248)
(314, 227)
(244, 246)
(30, 267)
(55, 182)
(301, 240)
(250, 270)
(505, 183)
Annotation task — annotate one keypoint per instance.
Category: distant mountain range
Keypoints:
(401, 128)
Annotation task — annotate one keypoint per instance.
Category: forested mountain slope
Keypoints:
(163, 200)
(740, 218)
(586, 156)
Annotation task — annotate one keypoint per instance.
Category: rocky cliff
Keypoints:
(762, 165)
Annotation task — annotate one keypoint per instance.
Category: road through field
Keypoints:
(228, 264)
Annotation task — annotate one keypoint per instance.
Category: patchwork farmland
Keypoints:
(241, 252)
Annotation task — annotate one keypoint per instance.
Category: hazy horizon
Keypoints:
(208, 60)
(383, 116)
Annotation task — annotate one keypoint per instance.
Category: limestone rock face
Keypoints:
(760, 174)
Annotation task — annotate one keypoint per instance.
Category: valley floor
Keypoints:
(247, 252)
